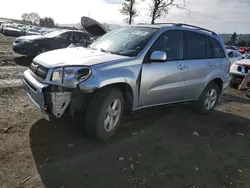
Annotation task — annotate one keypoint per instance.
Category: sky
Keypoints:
(222, 16)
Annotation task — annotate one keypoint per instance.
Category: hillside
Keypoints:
(227, 37)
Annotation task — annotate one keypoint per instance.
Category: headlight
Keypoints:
(71, 75)
(27, 41)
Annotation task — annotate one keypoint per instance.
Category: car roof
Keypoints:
(71, 30)
(183, 26)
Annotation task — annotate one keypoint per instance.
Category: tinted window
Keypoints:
(209, 51)
(84, 36)
(65, 36)
(196, 46)
(230, 55)
(218, 51)
(170, 42)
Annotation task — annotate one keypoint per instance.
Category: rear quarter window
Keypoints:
(217, 49)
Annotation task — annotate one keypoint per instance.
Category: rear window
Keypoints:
(218, 51)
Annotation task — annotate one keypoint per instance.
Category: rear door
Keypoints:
(200, 63)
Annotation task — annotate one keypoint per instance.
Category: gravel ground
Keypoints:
(167, 147)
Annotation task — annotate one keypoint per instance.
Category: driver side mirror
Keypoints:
(158, 56)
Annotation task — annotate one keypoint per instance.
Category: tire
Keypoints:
(201, 106)
(247, 94)
(98, 111)
(233, 84)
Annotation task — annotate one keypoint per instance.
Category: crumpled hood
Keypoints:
(243, 62)
(31, 37)
(75, 56)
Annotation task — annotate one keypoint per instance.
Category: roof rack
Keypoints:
(199, 28)
(187, 25)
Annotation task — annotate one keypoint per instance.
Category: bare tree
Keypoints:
(47, 22)
(128, 9)
(159, 8)
(32, 17)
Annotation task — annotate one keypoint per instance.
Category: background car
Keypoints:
(231, 48)
(234, 56)
(35, 44)
(243, 50)
(32, 31)
(12, 30)
(239, 70)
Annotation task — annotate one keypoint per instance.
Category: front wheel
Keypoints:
(104, 113)
(208, 99)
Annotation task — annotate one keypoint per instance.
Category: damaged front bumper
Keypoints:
(48, 102)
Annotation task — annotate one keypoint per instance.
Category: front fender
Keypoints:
(102, 77)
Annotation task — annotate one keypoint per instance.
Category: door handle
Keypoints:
(181, 66)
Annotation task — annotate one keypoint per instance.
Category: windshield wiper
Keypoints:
(106, 51)
(102, 50)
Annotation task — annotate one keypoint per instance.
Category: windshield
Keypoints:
(248, 57)
(127, 41)
(12, 27)
(33, 30)
(54, 33)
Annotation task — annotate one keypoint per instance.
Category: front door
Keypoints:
(164, 82)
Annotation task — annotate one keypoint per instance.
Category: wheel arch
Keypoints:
(127, 92)
(217, 81)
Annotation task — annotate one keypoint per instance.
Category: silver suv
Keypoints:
(130, 68)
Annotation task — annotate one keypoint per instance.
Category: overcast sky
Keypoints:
(222, 16)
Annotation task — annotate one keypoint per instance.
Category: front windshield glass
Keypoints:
(12, 27)
(248, 57)
(127, 41)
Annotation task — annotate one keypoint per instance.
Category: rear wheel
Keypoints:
(104, 113)
(208, 99)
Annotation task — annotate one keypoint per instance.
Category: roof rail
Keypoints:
(187, 25)
(163, 23)
(199, 28)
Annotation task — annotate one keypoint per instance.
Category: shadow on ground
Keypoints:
(23, 60)
(153, 148)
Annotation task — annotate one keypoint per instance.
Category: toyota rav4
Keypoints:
(130, 68)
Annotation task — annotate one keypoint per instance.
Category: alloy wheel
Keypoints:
(210, 99)
(112, 115)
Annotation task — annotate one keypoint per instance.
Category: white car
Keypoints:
(234, 55)
(32, 31)
(239, 70)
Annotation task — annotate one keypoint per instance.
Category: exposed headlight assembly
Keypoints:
(71, 75)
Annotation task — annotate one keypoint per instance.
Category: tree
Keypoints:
(241, 43)
(46, 22)
(234, 38)
(128, 9)
(159, 8)
(228, 43)
(32, 17)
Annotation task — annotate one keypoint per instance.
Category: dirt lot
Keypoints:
(167, 147)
